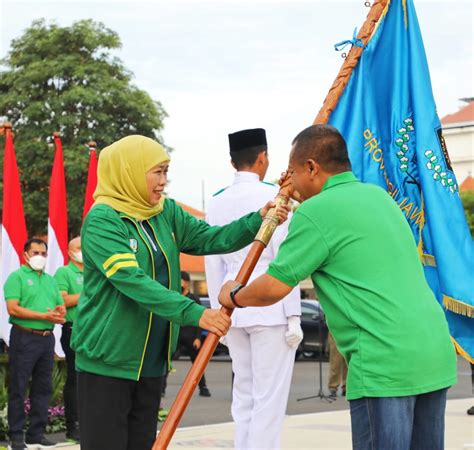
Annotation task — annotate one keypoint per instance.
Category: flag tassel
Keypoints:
(457, 306)
(461, 351)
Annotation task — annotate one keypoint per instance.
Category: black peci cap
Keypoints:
(241, 140)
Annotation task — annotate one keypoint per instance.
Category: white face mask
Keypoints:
(37, 262)
(77, 256)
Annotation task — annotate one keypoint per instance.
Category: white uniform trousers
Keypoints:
(262, 363)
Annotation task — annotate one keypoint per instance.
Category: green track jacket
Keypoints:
(110, 334)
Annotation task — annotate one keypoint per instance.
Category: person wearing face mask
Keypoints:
(34, 305)
(70, 280)
(131, 306)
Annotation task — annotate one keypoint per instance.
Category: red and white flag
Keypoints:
(91, 179)
(57, 224)
(14, 234)
(57, 220)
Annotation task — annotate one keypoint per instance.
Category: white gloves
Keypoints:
(294, 335)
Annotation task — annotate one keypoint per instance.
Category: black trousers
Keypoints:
(70, 387)
(190, 350)
(117, 414)
(30, 356)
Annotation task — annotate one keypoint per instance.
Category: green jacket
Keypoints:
(115, 309)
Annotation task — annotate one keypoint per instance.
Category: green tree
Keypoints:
(467, 198)
(66, 79)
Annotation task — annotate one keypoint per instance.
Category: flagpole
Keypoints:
(350, 63)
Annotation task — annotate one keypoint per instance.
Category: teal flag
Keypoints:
(388, 117)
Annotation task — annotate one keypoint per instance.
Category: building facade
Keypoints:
(458, 131)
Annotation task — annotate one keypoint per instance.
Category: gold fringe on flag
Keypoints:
(428, 260)
(461, 351)
(458, 307)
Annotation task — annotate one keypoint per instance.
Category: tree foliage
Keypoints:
(467, 198)
(66, 79)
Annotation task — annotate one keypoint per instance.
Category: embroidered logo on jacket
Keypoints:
(134, 245)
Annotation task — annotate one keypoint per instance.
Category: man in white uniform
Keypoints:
(262, 341)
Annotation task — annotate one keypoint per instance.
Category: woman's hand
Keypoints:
(215, 321)
(281, 212)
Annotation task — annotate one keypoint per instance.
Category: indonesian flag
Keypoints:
(57, 223)
(91, 179)
(14, 233)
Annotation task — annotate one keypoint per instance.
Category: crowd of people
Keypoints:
(122, 299)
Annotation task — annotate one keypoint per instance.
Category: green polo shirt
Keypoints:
(36, 291)
(355, 243)
(70, 279)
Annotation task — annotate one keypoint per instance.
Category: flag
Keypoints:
(57, 224)
(91, 179)
(14, 233)
(387, 114)
(57, 220)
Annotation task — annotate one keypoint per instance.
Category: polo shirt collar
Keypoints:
(74, 268)
(26, 268)
(245, 177)
(340, 178)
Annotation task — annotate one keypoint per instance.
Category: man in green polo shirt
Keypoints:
(34, 305)
(70, 280)
(353, 240)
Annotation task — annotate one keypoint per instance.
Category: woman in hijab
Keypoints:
(130, 309)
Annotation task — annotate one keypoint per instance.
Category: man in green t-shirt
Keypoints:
(34, 305)
(70, 280)
(353, 240)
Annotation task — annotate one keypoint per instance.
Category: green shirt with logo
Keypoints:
(36, 291)
(70, 279)
(355, 243)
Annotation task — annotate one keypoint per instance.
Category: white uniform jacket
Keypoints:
(247, 194)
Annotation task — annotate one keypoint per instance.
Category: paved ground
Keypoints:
(314, 420)
(305, 382)
(326, 430)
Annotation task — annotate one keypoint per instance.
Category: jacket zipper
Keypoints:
(149, 238)
(169, 287)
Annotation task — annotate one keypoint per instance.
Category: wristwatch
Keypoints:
(233, 292)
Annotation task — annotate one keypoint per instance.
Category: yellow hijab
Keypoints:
(121, 181)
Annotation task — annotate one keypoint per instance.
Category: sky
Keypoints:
(219, 66)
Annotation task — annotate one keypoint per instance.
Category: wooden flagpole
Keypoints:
(350, 63)
(264, 235)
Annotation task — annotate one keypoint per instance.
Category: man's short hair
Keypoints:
(247, 157)
(28, 243)
(325, 145)
(185, 276)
